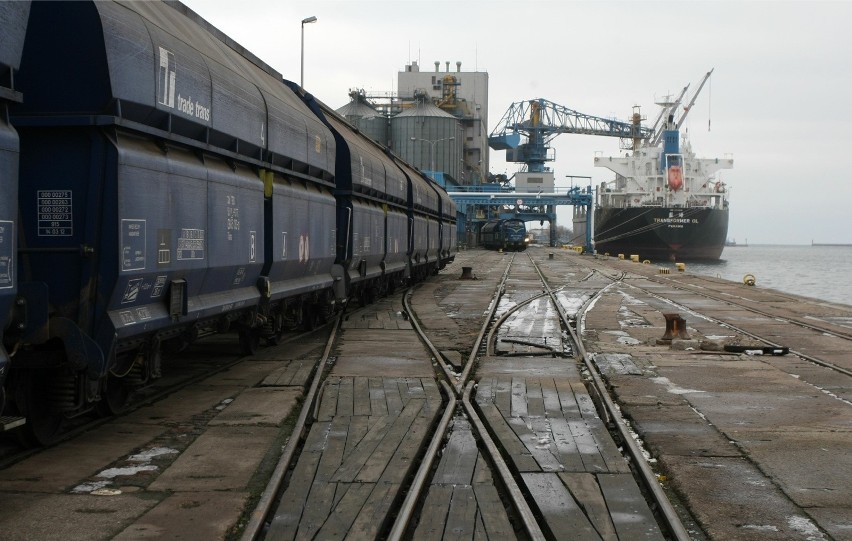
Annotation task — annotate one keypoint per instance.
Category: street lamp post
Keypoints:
(432, 150)
(308, 20)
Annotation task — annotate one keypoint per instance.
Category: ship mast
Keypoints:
(667, 107)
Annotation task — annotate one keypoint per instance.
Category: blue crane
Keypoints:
(541, 120)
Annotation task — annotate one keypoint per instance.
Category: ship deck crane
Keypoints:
(670, 108)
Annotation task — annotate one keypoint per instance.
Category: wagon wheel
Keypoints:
(311, 318)
(371, 294)
(249, 340)
(277, 330)
(115, 397)
(33, 399)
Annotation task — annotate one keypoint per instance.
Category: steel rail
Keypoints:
(267, 498)
(795, 321)
(489, 344)
(406, 512)
(521, 505)
(526, 515)
(648, 477)
(806, 356)
(474, 353)
(153, 398)
(449, 373)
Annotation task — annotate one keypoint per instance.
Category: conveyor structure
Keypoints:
(527, 206)
(538, 121)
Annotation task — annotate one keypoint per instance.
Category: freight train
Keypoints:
(508, 235)
(13, 19)
(159, 183)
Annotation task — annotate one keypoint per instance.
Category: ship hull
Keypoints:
(660, 233)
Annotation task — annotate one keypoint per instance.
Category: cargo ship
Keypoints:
(664, 203)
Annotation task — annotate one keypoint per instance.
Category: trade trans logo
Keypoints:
(167, 93)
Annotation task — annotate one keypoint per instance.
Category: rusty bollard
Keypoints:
(467, 273)
(675, 328)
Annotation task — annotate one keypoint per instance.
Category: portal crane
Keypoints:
(540, 121)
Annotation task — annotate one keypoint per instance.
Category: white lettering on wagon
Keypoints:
(133, 248)
(190, 244)
(232, 211)
(192, 108)
(55, 214)
(7, 254)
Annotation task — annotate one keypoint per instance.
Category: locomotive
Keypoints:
(171, 184)
(510, 234)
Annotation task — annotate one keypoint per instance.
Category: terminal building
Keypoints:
(437, 121)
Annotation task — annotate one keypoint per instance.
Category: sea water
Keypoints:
(819, 272)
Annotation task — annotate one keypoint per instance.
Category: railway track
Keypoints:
(327, 485)
(822, 329)
(497, 424)
(741, 412)
(271, 518)
(182, 370)
(830, 335)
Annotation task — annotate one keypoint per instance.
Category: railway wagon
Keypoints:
(13, 18)
(448, 227)
(425, 239)
(508, 234)
(413, 212)
(177, 185)
(373, 240)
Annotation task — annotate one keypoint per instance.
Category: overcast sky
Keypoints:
(779, 100)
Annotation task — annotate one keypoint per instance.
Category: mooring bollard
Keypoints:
(549, 256)
(467, 273)
(675, 327)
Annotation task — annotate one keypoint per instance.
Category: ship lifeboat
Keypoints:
(675, 178)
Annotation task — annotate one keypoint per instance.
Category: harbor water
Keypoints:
(818, 272)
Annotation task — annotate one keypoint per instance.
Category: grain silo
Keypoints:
(361, 114)
(428, 138)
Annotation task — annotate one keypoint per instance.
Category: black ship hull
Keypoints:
(659, 233)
